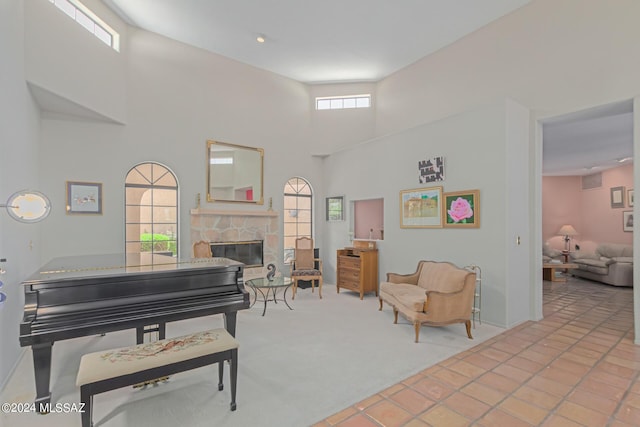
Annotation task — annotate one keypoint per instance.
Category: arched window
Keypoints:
(298, 212)
(151, 209)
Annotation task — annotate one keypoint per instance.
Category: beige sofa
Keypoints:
(611, 263)
(549, 254)
(437, 294)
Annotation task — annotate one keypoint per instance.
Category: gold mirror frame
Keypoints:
(235, 173)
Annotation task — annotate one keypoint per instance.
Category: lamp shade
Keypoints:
(567, 230)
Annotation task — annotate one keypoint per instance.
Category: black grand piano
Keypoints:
(79, 296)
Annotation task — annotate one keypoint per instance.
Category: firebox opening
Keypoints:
(248, 252)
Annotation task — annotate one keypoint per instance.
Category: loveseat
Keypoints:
(610, 263)
(437, 294)
(550, 254)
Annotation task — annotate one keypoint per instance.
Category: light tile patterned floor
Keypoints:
(577, 367)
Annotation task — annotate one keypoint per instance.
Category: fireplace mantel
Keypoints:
(199, 211)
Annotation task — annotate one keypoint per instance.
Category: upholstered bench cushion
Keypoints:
(309, 272)
(593, 265)
(411, 296)
(127, 360)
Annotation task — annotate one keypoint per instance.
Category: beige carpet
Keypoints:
(296, 367)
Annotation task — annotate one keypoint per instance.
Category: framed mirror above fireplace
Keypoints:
(234, 173)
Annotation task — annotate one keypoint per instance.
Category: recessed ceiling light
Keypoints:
(260, 38)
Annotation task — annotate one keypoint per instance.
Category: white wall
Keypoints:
(178, 98)
(550, 56)
(473, 145)
(19, 243)
(332, 130)
(65, 59)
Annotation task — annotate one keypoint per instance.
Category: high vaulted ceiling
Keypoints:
(317, 41)
(334, 41)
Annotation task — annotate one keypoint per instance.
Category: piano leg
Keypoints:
(230, 322)
(42, 368)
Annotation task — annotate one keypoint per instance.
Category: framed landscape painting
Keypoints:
(461, 209)
(421, 208)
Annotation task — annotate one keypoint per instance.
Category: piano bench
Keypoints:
(112, 369)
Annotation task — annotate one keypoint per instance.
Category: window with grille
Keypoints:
(298, 205)
(343, 102)
(151, 210)
(89, 21)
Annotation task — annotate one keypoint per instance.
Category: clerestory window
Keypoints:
(89, 21)
(343, 102)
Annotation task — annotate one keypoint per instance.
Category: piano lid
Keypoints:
(84, 266)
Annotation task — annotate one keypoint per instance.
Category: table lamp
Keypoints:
(567, 231)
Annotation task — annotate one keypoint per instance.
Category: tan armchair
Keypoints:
(437, 294)
(303, 265)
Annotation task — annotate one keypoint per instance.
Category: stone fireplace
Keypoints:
(218, 226)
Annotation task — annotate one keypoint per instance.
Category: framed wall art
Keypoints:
(84, 198)
(461, 209)
(335, 208)
(421, 208)
(627, 221)
(630, 198)
(431, 170)
(617, 197)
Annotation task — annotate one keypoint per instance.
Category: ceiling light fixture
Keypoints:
(261, 38)
(624, 159)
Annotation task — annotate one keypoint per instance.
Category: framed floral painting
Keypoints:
(461, 209)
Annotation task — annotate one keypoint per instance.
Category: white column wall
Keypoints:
(518, 238)
(19, 243)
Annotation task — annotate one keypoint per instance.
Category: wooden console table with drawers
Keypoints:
(358, 268)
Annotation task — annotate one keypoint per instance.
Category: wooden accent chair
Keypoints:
(437, 294)
(303, 265)
(202, 249)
